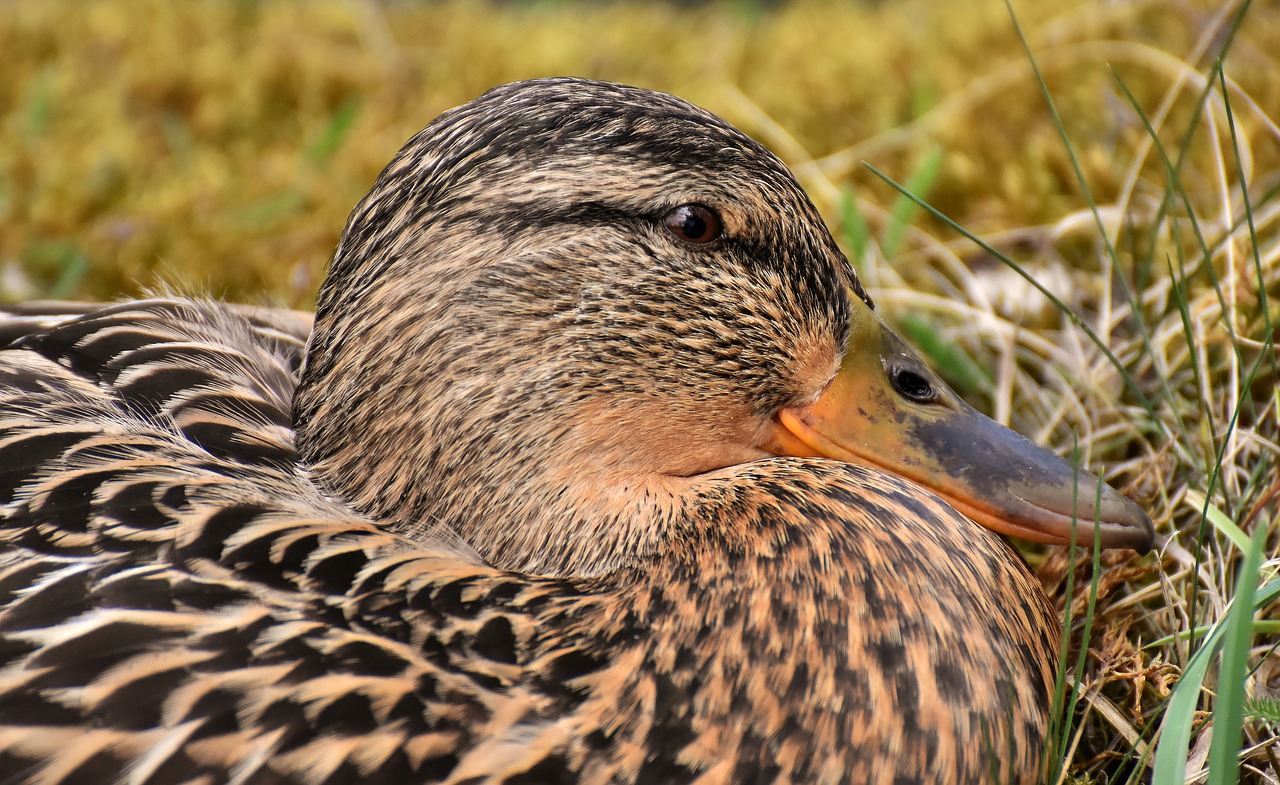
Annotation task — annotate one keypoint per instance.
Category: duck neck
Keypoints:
(832, 620)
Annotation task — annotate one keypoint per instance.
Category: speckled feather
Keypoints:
(498, 538)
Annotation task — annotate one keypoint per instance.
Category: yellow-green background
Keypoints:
(218, 144)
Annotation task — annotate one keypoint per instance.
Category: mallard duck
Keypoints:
(599, 466)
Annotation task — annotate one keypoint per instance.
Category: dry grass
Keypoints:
(220, 144)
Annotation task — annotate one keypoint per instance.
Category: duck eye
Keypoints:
(912, 386)
(693, 223)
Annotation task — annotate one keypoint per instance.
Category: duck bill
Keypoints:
(993, 475)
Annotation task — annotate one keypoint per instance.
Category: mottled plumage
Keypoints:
(518, 516)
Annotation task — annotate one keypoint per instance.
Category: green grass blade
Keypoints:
(1228, 712)
(1170, 764)
(1260, 627)
(945, 355)
(335, 133)
(1147, 404)
(904, 210)
(854, 229)
(1220, 520)
(1263, 307)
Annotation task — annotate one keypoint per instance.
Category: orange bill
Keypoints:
(887, 409)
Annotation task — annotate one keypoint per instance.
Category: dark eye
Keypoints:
(912, 385)
(693, 223)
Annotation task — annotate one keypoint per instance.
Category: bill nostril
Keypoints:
(912, 385)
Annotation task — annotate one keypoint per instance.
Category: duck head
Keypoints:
(567, 304)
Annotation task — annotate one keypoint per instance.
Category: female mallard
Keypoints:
(551, 504)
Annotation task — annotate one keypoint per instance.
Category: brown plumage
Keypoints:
(530, 515)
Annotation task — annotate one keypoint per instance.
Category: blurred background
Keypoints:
(218, 145)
